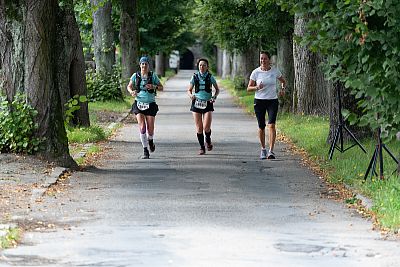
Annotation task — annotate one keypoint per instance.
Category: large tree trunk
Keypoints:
(129, 41)
(11, 50)
(311, 88)
(40, 77)
(243, 64)
(71, 64)
(29, 64)
(285, 65)
(103, 36)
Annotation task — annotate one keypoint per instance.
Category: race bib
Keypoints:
(142, 106)
(200, 104)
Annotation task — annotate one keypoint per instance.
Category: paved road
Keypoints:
(226, 208)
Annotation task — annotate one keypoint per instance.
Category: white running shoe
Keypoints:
(263, 154)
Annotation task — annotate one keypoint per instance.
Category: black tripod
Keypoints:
(378, 155)
(339, 132)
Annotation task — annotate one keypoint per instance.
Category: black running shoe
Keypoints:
(271, 155)
(152, 146)
(146, 154)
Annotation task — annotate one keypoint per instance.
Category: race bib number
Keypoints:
(142, 106)
(200, 104)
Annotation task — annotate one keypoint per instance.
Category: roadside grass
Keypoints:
(10, 238)
(87, 138)
(309, 134)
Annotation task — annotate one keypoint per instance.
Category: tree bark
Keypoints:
(219, 61)
(40, 78)
(160, 64)
(128, 40)
(285, 65)
(226, 64)
(29, 64)
(11, 50)
(71, 75)
(311, 88)
(103, 36)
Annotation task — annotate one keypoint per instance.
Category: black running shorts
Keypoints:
(261, 107)
(210, 107)
(151, 111)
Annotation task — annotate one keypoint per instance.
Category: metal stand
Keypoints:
(378, 155)
(339, 132)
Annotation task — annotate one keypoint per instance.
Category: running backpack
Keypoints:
(139, 80)
(207, 86)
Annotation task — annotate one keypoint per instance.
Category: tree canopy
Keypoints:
(365, 55)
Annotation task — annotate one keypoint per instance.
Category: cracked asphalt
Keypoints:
(226, 208)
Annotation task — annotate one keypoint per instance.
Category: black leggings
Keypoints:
(261, 107)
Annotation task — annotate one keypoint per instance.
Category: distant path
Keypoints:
(226, 208)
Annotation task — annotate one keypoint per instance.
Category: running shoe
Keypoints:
(263, 154)
(271, 155)
(152, 146)
(146, 154)
(209, 146)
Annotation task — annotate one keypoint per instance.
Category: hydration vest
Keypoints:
(139, 80)
(207, 86)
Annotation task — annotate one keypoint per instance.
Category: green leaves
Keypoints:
(238, 25)
(361, 42)
(17, 126)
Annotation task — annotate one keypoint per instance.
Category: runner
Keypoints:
(263, 82)
(203, 102)
(143, 85)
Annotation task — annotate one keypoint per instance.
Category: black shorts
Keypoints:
(151, 111)
(261, 107)
(210, 107)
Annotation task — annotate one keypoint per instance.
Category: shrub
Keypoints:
(239, 83)
(104, 86)
(17, 126)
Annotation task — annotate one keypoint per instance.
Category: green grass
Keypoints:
(116, 106)
(10, 239)
(90, 134)
(310, 133)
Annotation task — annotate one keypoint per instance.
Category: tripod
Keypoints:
(378, 155)
(339, 132)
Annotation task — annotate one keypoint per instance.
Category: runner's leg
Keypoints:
(198, 120)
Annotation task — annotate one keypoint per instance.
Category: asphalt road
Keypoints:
(226, 208)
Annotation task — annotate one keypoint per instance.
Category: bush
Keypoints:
(17, 126)
(239, 83)
(104, 86)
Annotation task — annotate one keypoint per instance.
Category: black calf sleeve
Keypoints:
(200, 137)
(208, 137)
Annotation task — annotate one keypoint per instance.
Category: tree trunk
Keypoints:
(129, 41)
(311, 88)
(160, 64)
(11, 50)
(285, 65)
(226, 64)
(29, 57)
(103, 36)
(71, 64)
(219, 61)
(40, 77)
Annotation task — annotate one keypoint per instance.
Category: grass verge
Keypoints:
(309, 134)
(9, 238)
